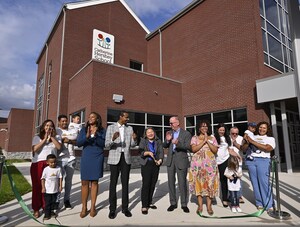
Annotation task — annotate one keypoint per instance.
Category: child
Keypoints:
(73, 129)
(250, 132)
(51, 185)
(233, 172)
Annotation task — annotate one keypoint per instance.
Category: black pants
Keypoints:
(115, 170)
(223, 180)
(50, 202)
(149, 177)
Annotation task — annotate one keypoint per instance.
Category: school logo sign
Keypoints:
(103, 46)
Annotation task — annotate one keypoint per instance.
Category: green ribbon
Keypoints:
(255, 214)
(22, 203)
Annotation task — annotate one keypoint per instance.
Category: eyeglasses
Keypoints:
(234, 133)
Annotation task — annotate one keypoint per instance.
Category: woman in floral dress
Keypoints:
(203, 175)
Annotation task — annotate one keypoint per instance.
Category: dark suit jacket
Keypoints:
(180, 156)
(143, 146)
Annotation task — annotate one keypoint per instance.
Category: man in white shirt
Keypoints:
(119, 139)
(65, 160)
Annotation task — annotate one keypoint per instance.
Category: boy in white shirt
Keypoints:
(51, 185)
(73, 129)
(250, 132)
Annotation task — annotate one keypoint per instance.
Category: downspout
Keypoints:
(61, 63)
(160, 53)
(45, 87)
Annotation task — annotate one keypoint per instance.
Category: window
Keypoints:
(235, 117)
(140, 121)
(40, 101)
(276, 35)
(81, 113)
(49, 88)
(136, 65)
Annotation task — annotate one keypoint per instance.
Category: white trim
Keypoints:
(61, 63)
(76, 5)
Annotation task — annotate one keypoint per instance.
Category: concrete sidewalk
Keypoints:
(289, 193)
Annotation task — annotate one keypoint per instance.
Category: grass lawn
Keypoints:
(6, 193)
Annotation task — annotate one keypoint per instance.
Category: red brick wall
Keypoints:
(111, 18)
(95, 91)
(216, 50)
(20, 123)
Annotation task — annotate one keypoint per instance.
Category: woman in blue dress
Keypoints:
(92, 138)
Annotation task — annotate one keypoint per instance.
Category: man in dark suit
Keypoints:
(178, 143)
(119, 139)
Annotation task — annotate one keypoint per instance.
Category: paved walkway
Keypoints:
(289, 193)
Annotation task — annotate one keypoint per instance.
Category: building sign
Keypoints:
(103, 46)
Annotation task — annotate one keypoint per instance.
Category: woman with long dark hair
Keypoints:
(259, 166)
(43, 144)
(203, 174)
(223, 154)
(92, 138)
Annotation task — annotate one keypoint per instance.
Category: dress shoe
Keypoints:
(241, 200)
(185, 209)
(144, 210)
(172, 207)
(152, 206)
(127, 213)
(112, 214)
(225, 204)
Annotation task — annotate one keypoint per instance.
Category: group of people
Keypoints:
(216, 160)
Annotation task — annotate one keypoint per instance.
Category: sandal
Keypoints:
(83, 213)
(210, 211)
(36, 214)
(93, 213)
(199, 210)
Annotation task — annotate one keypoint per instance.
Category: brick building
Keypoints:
(16, 134)
(214, 59)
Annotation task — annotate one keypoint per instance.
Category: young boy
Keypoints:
(51, 185)
(74, 128)
(250, 132)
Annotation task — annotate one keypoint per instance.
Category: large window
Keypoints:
(39, 106)
(236, 117)
(81, 114)
(276, 36)
(139, 121)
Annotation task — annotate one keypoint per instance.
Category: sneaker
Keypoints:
(68, 205)
(260, 207)
(233, 210)
(238, 209)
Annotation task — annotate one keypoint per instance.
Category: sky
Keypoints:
(24, 28)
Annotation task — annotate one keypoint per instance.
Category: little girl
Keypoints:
(233, 172)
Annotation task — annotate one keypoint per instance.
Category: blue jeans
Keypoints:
(67, 169)
(259, 172)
